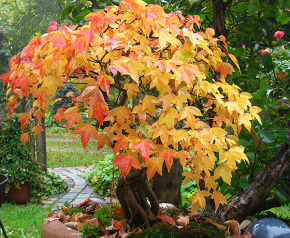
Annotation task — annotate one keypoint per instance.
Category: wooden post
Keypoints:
(41, 148)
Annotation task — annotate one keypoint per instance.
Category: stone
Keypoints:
(269, 228)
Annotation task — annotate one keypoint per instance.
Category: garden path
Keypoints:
(78, 188)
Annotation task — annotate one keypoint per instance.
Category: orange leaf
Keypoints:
(102, 141)
(37, 130)
(39, 114)
(59, 115)
(218, 197)
(25, 137)
(144, 146)
(24, 118)
(73, 117)
(126, 161)
(154, 164)
(86, 130)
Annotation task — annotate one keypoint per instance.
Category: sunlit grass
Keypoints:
(71, 159)
(22, 221)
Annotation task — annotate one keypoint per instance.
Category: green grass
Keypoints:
(71, 159)
(22, 221)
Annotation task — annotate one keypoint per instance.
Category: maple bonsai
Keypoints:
(149, 80)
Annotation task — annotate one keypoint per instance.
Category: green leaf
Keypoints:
(66, 12)
(284, 18)
(267, 62)
(251, 156)
(266, 136)
(244, 142)
(282, 196)
(246, 77)
(60, 0)
(241, 7)
(83, 1)
(76, 11)
(243, 185)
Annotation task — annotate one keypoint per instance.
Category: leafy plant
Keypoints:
(16, 162)
(104, 176)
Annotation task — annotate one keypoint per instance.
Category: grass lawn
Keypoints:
(22, 221)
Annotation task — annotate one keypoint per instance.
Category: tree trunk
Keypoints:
(167, 187)
(132, 193)
(252, 200)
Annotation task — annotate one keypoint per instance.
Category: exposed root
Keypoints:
(132, 194)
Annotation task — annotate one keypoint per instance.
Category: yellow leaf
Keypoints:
(169, 118)
(148, 104)
(225, 172)
(132, 89)
(234, 59)
(199, 197)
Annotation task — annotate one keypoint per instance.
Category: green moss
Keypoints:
(194, 230)
(105, 219)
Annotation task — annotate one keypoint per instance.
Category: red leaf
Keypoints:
(122, 143)
(144, 146)
(59, 115)
(166, 219)
(102, 141)
(86, 130)
(24, 118)
(105, 82)
(126, 161)
(168, 155)
(99, 111)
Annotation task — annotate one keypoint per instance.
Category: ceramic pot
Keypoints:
(19, 195)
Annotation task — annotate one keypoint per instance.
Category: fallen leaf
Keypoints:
(233, 228)
(166, 219)
(183, 221)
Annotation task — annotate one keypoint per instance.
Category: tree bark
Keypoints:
(252, 200)
(132, 193)
(167, 187)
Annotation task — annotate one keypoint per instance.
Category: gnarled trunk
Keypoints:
(132, 193)
(252, 200)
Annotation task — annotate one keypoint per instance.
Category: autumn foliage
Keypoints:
(170, 65)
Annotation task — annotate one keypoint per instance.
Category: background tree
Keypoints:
(164, 60)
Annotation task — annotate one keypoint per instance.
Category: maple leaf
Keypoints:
(218, 197)
(24, 118)
(122, 143)
(166, 219)
(105, 82)
(120, 65)
(144, 146)
(99, 111)
(86, 130)
(225, 172)
(168, 155)
(141, 113)
(132, 89)
(126, 161)
(103, 140)
(169, 118)
(39, 114)
(37, 130)
(73, 117)
(182, 155)
(59, 115)
(122, 113)
(25, 137)
(198, 198)
(24, 83)
(154, 164)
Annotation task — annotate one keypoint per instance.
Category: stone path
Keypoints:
(78, 188)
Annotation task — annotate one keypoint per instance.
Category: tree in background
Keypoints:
(150, 85)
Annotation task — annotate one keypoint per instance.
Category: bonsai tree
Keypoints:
(155, 83)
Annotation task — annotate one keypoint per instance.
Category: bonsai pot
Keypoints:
(19, 194)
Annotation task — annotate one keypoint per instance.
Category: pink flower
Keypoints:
(243, 46)
(266, 51)
(282, 47)
(53, 26)
(279, 34)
